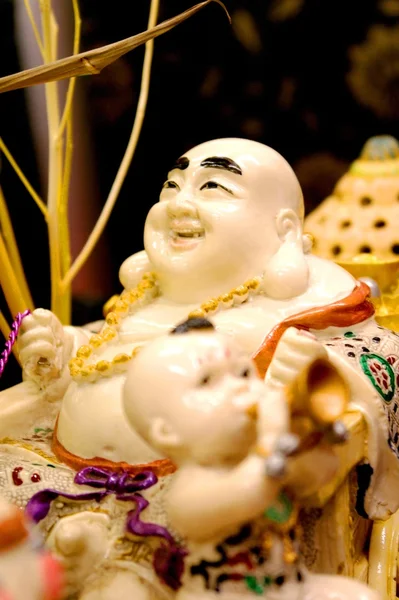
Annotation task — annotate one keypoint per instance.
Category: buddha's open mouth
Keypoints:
(186, 237)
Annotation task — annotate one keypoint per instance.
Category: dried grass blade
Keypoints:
(9, 282)
(93, 61)
(7, 231)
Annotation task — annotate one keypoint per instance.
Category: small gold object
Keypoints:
(112, 318)
(96, 341)
(84, 352)
(241, 290)
(120, 359)
(109, 305)
(103, 366)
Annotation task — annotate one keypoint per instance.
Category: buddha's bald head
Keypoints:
(259, 165)
(221, 213)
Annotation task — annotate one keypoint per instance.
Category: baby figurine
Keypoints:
(195, 397)
(27, 572)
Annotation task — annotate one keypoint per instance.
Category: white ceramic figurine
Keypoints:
(226, 500)
(225, 240)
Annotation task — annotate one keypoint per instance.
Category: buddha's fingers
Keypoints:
(36, 333)
(39, 316)
(46, 318)
(38, 351)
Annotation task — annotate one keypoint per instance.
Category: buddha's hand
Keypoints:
(295, 351)
(42, 347)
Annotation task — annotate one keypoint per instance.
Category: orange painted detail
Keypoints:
(13, 530)
(159, 467)
(351, 310)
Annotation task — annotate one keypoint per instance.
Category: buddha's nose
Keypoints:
(181, 205)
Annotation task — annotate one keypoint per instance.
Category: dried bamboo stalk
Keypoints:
(9, 282)
(127, 158)
(93, 61)
(7, 231)
(22, 177)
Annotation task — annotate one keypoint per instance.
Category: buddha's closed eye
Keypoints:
(170, 185)
(211, 185)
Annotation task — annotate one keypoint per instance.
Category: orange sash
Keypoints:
(349, 311)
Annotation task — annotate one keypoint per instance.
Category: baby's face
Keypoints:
(211, 389)
(190, 395)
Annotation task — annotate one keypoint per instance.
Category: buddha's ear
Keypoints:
(162, 435)
(133, 269)
(287, 274)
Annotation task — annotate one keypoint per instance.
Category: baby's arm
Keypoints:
(205, 502)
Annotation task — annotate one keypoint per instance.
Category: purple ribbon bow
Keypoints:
(168, 559)
(123, 485)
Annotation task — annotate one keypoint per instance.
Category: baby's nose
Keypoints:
(252, 411)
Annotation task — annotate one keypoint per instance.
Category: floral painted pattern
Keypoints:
(374, 351)
(380, 373)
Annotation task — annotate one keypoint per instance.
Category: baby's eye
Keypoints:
(170, 185)
(211, 185)
(246, 372)
(205, 380)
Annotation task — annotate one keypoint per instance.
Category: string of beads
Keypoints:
(130, 301)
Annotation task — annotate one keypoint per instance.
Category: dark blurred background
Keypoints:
(311, 78)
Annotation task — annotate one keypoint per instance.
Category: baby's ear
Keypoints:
(162, 435)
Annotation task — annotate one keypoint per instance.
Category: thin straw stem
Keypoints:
(63, 209)
(22, 177)
(12, 250)
(36, 33)
(55, 160)
(72, 82)
(125, 164)
(9, 282)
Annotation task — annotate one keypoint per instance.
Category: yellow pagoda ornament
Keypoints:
(358, 225)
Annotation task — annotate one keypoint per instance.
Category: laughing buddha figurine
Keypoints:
(225, 240)
(225, 494)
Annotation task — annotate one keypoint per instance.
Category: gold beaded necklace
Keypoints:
(130, 301)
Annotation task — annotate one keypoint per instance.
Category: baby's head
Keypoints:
(190, 394)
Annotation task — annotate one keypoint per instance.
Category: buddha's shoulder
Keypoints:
(327, 280)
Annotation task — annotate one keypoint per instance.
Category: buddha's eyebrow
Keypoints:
(222, 162)
(181, 163)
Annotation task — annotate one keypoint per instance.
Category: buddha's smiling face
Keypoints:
(215, 217)
(197, 195)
